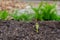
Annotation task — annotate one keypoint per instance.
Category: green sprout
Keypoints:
(37, 27)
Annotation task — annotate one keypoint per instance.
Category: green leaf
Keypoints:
(3, 15)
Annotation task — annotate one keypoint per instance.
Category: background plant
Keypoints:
(22, 16)
(49, 11)
(45, 11)
(37, 12)
(3, 15)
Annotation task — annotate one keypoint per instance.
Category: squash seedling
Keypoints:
(37, 27)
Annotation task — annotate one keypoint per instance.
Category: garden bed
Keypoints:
(18, 30)
(41, 23)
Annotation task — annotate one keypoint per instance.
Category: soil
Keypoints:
(18, 30)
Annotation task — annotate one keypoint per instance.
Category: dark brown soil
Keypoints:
(17, 30)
